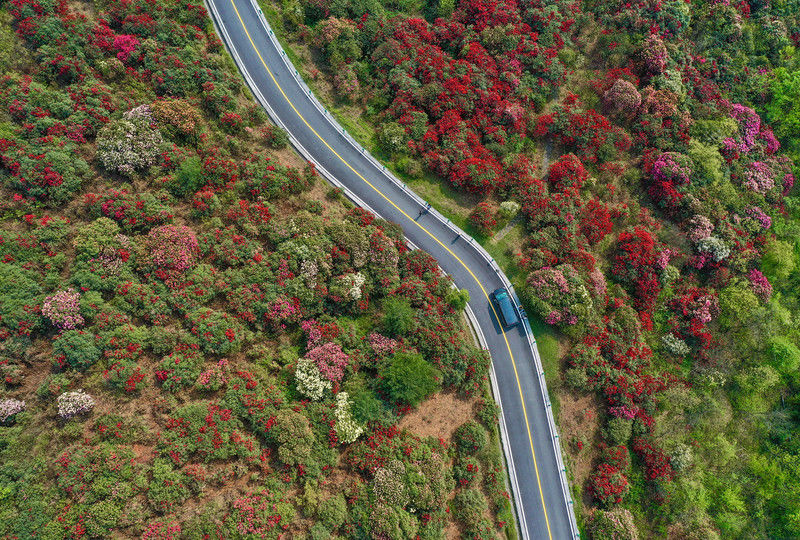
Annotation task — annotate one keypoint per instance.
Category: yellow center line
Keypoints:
(379, 192)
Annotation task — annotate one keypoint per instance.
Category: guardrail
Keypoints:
(554, 437)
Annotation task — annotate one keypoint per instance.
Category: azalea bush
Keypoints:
(131, 143)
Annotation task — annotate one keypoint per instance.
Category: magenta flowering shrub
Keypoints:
(9, 408)
(670, 175)
(125, 44)
(759, 284)
(330, 360)
(173, 247)
(63, 309)
(749, 127)
(283, 311)
(761, 219)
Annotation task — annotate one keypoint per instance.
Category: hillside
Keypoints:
(631, 166)
(199, 338)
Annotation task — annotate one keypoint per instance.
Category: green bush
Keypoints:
(19, 292)
(409, 379)
(469, 506)
(218, 332)
(398, 316)
(188, 178)
(76, 349)
(470, 438)
(332, 512)
(618, 431)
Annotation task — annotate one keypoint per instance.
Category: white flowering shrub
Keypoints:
(129, 144)
(74, 403)
(716, 248)
(509, 209)
(9, 408)
(310, 381)
(675, 345)
(347, 429)
(356, 282)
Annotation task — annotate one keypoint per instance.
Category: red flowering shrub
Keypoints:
(218, 332)
(608, 485)
(181, 368)
(483, 219)
(134, 212)
(638, 262)
(587, 132)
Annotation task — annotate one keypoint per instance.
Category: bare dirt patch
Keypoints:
(578, 421)
(439, 416)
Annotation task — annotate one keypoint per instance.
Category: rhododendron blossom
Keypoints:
(63, 309)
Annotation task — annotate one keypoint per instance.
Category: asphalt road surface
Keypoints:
(537, 489)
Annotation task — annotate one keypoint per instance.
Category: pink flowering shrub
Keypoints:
(75, 403)
(558, 295)
(654, 54)
(173, 247)
(162, 531)
(623, 97)
(63, 309)
(759, 284)
(382, 345)
(330, 360)
(699, 227)
(125, 44)
(759, 177)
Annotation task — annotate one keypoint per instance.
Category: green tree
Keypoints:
(409, 378)
(783, 110)
(779, 260)
(783, 355)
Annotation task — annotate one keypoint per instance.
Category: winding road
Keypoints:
(536, 471)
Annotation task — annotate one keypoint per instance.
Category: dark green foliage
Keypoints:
(76, 349)
(470, 438)
(19, 294)
(188, 178)
(398, 317)
(409, 379)
(784, 355)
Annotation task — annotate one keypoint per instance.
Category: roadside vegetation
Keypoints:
(198, 337)
(631, 167)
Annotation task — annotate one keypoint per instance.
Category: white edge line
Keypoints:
(359, 202)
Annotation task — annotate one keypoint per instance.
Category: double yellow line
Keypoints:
(379, 192)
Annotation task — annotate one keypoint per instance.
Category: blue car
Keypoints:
(505, 308)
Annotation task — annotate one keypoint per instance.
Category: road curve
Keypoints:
(538, 482)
